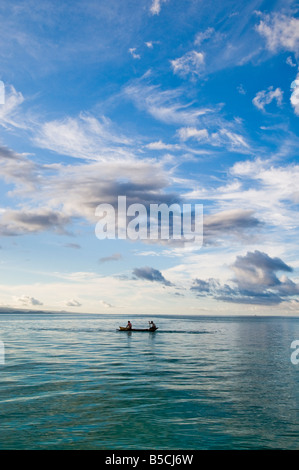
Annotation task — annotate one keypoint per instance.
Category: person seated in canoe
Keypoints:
(152, 326)
(129, 325)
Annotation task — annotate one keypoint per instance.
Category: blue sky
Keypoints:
(161, 101)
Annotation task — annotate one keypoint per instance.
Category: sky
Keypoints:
(161, 101)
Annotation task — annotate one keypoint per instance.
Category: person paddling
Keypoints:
(152, 325)
(129, 325)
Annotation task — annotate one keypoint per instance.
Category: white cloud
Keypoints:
(264, 97)
(49, 197)
(93, 286)
(205, 124)
(219, 138)
(202, 36)
(156, 6)
(105, 304)
(295, 95)
(234, 139)
(258, 185)
(79, 189)
(164, 106)
(132, 51)
(159, 145)
(9, 111)
(255, 281)
(17, 222)
(150, 44)
(192, 63)
(280, 32)
(73, 303)
(20, 170)
(241, 89)
(239, 223)
(28, 301)
(113, 257)
(290, 62)
(275, 191)
(186, 133)
(83, 136)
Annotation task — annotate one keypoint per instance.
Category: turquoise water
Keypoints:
(74, 382)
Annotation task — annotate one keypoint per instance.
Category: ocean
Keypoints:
(74, 382)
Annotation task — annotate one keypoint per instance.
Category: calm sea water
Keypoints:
(74, 382)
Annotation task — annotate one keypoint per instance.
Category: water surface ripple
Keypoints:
(74, 382)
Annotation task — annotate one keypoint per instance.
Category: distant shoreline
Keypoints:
(161, 315)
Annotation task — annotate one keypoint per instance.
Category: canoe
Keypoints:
(122, 328)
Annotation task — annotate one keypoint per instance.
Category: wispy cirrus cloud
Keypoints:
(83, 136)
(166, 106)
(218, 136)
(202, 36)
(205, 124)
(277, 183)
(10, 115)
(268, 189)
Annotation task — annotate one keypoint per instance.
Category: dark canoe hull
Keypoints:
(121, 328)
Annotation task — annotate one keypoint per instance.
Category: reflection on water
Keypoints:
(74, 382)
